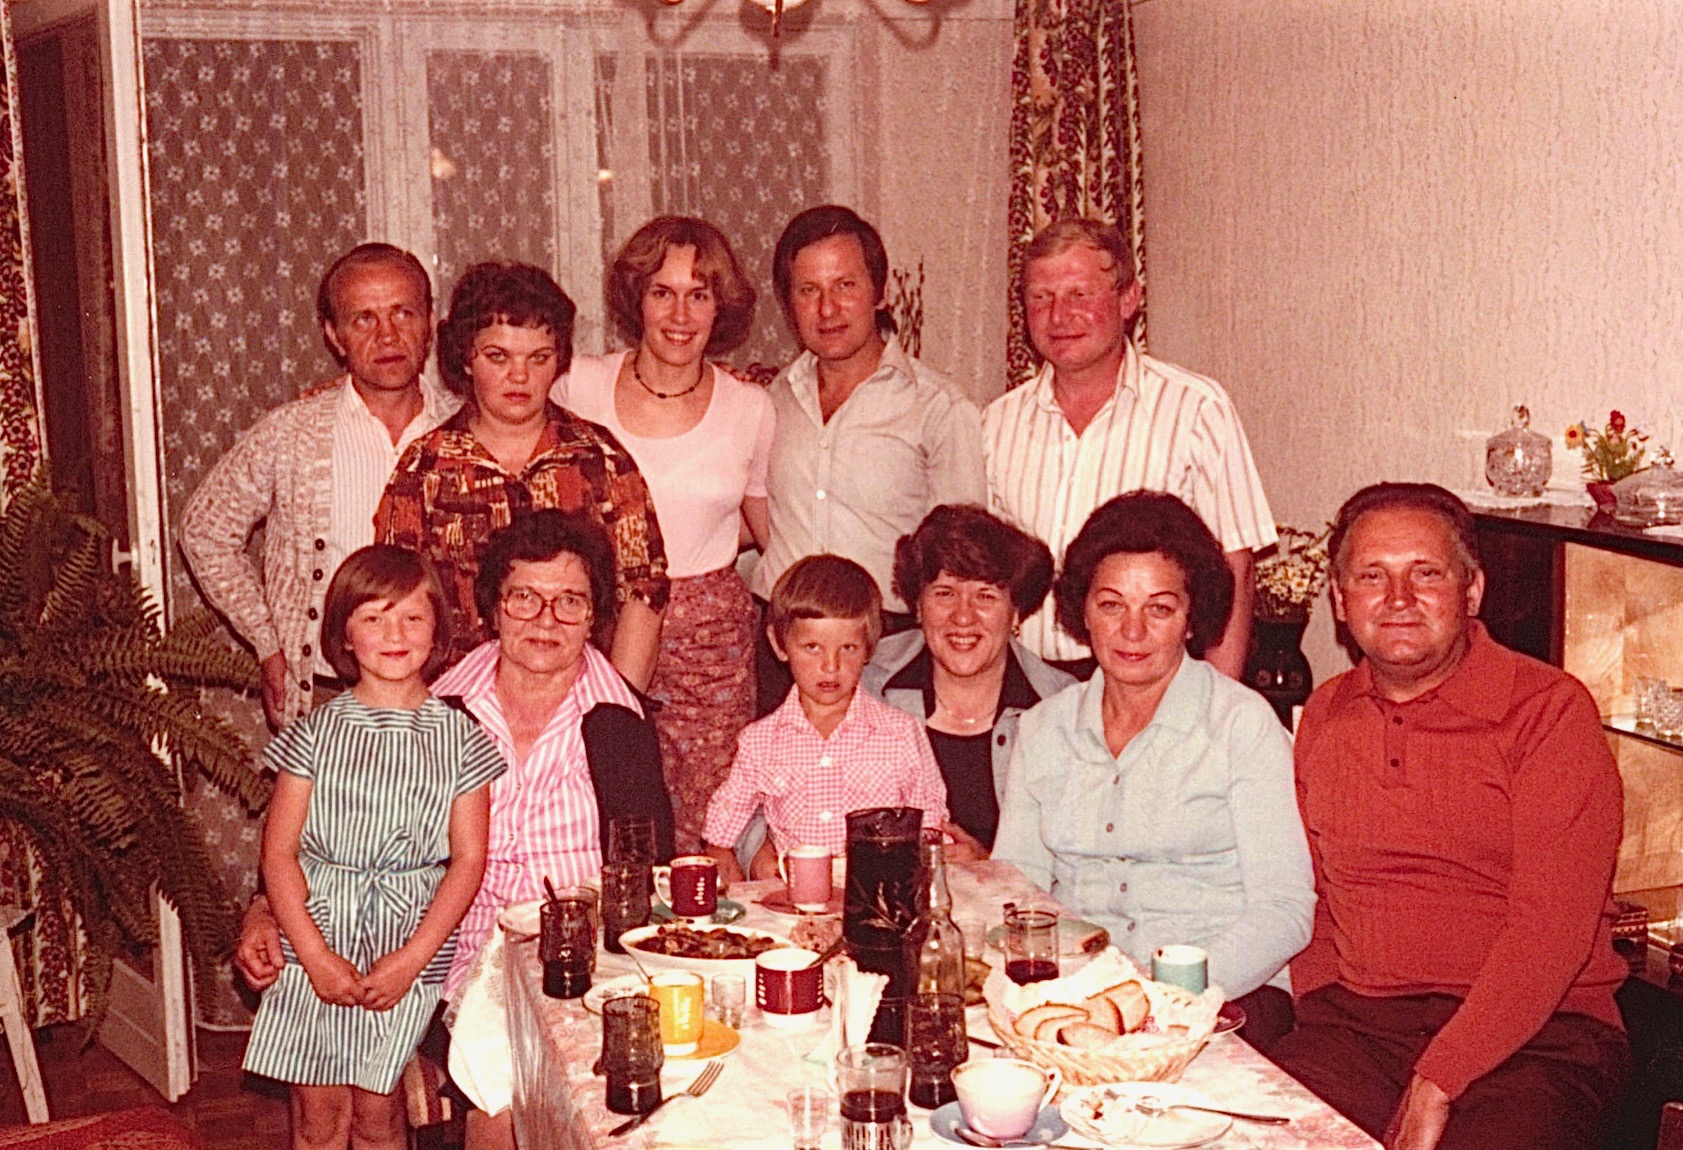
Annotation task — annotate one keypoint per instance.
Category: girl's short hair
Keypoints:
(825, 587)
(380, 571)
(1139, 523)
(537, 537)
(966, 542)
(715, 266)
(519, 295)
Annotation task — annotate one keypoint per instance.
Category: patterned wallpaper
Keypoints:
(740, 155)
(255, 150)
(1381, 225)
(489, 120)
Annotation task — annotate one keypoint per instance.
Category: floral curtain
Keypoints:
(1074, 136)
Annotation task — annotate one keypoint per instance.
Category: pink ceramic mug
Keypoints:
(806, 870)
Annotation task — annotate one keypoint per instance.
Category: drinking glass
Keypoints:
(567, 946)
(632, 1054)
(975, 932)
(1031, 945)
(1646, 689)
(1668, 712)
(872, 1081)
(625, 900)
(631, 838)
(936, 1041)
(730, 998)
(883, 901)
(809, 1116)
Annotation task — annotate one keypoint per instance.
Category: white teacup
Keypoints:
(1001, 1097)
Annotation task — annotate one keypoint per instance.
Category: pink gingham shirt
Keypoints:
(877, 756)
(543, 810)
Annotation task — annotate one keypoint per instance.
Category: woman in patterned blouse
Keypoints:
(509, 449)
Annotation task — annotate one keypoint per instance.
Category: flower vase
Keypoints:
(1602, 493)
(1277, 667)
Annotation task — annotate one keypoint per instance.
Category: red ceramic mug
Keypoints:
(788, 988)
(690, 886)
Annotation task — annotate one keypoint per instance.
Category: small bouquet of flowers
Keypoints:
(1288, 581)
(1611, 453)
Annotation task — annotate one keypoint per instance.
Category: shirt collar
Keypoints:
(435, 404)
(894, 363)
(1183, 707)
(1127, 379)
(1480, 687)
(790, 714)
(919, 675)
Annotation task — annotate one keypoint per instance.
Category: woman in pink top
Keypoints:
(702, 439)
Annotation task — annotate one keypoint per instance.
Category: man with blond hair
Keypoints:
(1103, 418)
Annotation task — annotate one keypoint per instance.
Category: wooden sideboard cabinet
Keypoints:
(1605, 602)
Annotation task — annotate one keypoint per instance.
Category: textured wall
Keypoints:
(1380, 224)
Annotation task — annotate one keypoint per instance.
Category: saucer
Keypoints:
(727, 912)
(1229, 1018)
(777, 901)
(716, 1039)
(1047, 1128)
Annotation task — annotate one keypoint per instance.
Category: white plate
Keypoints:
(1108, 1114)
(702, 966)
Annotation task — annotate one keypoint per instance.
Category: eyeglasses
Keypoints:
(526, 605)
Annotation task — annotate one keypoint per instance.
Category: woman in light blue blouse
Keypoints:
(1156, 799)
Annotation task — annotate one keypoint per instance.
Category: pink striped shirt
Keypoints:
(877, 756)
(543, 810)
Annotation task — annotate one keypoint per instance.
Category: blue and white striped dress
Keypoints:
(375, 841)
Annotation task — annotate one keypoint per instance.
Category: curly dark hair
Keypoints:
(715, 265)
(519, 295)
(1137, 524)
(1428, 497)
(536, 537)
(965, 542)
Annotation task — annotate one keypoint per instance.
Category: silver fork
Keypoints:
(1152, 1106)
(702, 1084)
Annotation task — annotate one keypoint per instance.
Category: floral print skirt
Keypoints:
(704, 681)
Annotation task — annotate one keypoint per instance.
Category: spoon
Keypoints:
(1152, 1107)
(834, 949)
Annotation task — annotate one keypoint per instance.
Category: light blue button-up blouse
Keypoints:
(1191, 835)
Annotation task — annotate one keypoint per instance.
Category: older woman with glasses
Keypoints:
(702, 440)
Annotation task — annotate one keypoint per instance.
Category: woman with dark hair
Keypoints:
(1156, 799)
(702, 440)
(971, 579)
(508, 336)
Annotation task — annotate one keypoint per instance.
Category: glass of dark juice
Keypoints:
(1031, 945)
(632, 1054)
(567, 946)
(872, 1079)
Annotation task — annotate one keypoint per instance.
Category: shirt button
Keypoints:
(1396, 762)
(304, 685)
(321, 545)
(1002, 740)
(316, 574)
(1116, 780)
(821, 495)
(1131, 926)
(1109, 827)
(825, 761)
(313, 613)
(1123, 888)
(1397, 719)
(826, 816)
(306, 650)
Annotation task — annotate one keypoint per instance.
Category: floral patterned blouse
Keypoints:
(449, 494)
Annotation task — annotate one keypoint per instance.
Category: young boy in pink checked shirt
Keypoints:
(829, 748)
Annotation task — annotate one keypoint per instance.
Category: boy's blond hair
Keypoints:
(825, 587)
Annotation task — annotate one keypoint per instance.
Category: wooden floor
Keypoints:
(230, 1110)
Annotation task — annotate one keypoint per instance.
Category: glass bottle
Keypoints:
(937, 946)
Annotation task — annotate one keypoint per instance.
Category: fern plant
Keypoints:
(100, 723)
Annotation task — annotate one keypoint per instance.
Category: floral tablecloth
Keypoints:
(744, 1110)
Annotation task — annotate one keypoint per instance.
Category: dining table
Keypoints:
(560, 1103)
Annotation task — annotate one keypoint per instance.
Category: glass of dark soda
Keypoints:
(1031, 945)
(872, 1080)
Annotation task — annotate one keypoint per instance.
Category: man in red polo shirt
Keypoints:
(1463, 813)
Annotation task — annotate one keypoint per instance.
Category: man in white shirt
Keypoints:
(313, 470)
(1103, 418)
(869, 440)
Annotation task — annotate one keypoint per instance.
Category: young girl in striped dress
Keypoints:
(372, 851)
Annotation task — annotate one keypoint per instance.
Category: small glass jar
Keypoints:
(1517, 461)
(1651, 497)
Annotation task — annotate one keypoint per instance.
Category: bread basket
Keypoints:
(1154, 1054)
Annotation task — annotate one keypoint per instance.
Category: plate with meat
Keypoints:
(707, 950)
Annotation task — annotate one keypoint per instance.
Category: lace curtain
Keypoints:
(1074, 135)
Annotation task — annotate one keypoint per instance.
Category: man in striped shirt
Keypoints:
(1103, 418)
